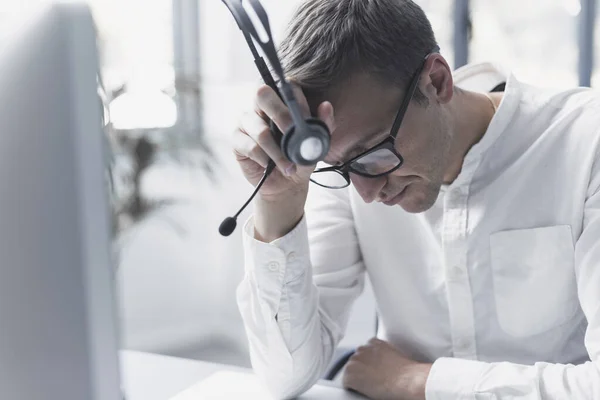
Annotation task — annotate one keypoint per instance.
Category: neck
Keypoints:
(471, 115)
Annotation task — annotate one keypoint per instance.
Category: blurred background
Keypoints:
(177, 75)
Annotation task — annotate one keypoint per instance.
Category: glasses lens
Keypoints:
(329, 179)
(377, 162)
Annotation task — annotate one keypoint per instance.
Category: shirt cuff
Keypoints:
(454, 378)
(283, 260)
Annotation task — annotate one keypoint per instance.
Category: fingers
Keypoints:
(263, 144)
(353, 375)
(325, 114)
(245, 147)
(301, 99)
(270, 105)
(375, 341)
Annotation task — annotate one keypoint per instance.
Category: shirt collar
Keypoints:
(482, 78)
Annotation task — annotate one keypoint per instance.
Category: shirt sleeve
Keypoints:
(297, 292)
(466, 379)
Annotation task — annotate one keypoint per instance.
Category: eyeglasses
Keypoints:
(377, 161)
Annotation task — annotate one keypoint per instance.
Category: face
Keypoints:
(364, 114)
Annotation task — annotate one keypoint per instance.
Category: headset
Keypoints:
(307, 141)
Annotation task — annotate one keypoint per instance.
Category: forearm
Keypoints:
(287, 371)
(457, 379)
(296, 310)
(275, 219)
(279, 304)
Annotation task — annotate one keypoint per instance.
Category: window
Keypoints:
(536, 39)
(441, 16)
(136, 50)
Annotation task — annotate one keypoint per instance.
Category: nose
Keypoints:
(368, 188)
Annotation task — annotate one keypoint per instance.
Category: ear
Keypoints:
(436, 79)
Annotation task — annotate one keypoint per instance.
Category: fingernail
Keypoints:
(290, 170)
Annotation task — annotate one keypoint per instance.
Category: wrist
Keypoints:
(416, 379)
(275, 219)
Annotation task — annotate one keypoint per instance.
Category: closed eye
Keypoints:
(360, 148)
(373, 140)
(359, 167)
(357, 151)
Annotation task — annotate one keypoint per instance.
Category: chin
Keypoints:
(418, 199)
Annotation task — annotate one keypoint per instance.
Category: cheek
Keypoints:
(424, 146)
(420, 197)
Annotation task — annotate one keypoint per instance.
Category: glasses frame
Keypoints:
(389, 143)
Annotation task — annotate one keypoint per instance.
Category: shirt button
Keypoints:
(273, 266)
(285, 325)
(462, 344)
(456, 272)
(291, 257)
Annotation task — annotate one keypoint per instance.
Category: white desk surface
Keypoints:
(156, 377)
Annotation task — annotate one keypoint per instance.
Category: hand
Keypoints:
(380, 371)
(254, 144)
(279, 205)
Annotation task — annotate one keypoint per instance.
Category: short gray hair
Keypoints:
(329, 40)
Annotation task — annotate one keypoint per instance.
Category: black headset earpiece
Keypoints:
(307, 141)
(306, 148)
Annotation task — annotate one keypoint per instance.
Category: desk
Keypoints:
(156, 377)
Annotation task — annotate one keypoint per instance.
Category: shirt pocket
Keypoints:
(534, 279)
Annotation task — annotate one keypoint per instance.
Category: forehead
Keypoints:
(363, 109)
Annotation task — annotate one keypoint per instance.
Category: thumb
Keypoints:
(325, 114)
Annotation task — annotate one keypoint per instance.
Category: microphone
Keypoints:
(228, 226)
(307, 141)
(230, 223)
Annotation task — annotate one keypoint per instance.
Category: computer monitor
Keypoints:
(58, 335)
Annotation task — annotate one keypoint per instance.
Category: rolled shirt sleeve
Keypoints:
(297, 292)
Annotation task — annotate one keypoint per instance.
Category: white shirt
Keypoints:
(498, 284)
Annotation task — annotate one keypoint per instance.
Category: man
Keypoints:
(476, 216)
